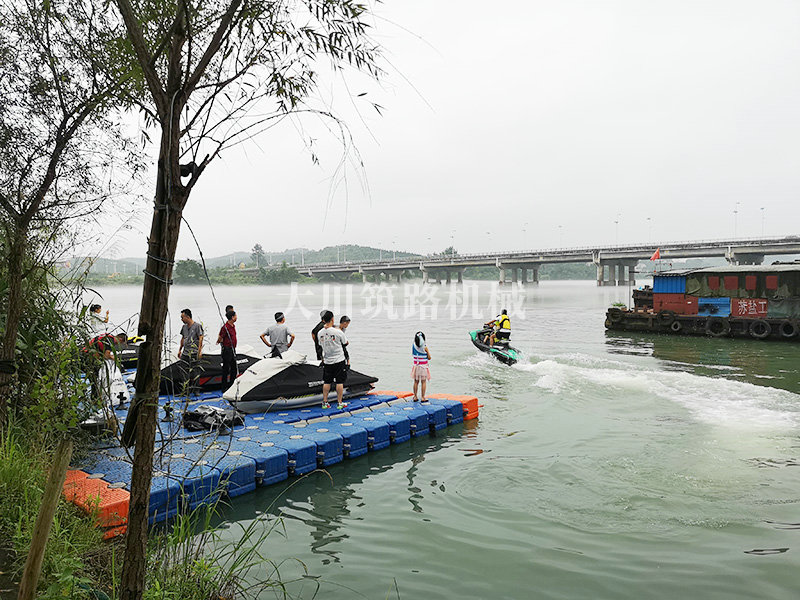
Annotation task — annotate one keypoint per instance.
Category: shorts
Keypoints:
(335, 373)
(502, 335)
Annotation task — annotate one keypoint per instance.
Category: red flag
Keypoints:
(656, 254)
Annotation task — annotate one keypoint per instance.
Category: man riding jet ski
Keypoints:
(501, 329)
(494, 339)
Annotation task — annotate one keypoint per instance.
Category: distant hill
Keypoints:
(134, 265)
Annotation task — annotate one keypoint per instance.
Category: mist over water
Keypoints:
(602, 465)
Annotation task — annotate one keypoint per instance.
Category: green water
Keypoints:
(603, 465)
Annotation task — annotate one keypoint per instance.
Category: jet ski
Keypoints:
(501, 350)
(208, 372)
(291, 381)
(128, 355)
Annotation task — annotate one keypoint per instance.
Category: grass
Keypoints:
(75, 551)
(191, 561)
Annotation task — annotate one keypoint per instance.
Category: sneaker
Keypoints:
(342, 406)
(325, 405)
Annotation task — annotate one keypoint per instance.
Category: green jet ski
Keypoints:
(501, 350)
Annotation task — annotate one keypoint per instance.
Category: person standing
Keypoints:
(280, 336)
(315, 332)
(344, 322)
(420, 371)
(98, 324)
(227, 339)
(334, 366)
(191, 347)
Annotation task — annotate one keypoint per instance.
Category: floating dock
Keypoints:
(192, 469)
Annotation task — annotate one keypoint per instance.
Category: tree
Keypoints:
(206, 66)
(189, 271)
(448, 252)
(257, 254)
(57, 142)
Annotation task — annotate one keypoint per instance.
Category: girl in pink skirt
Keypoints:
(420, 370)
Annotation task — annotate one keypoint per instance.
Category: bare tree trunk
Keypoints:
(44, 520)
(170, 199)
(16, 253)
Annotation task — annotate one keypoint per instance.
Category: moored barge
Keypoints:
(757, 302)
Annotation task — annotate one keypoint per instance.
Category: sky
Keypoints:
(531, 124)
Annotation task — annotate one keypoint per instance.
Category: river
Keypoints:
(603, 465)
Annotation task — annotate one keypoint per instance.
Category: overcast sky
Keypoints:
(532, 124)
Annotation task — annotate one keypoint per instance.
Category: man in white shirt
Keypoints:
(334, 365)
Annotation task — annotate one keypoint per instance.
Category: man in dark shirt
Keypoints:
(227, 338)
(343, 323)
(314, 332)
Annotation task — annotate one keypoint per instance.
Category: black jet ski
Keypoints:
(275, 384)
(207, 373)
(128, 355)
(501, 350)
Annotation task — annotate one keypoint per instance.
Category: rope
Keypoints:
(157, 278)
(161, 260)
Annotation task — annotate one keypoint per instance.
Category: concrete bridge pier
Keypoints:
(502, 279)
(625, 273)
(460, 275)
(514, 272)
(601, 274)
(448, 279)
(534, 275)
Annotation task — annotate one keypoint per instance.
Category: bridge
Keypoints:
(616, 265)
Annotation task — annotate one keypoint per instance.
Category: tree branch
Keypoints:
(143, 57)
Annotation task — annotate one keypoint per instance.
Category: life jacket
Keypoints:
(420, 356)
(503, 322)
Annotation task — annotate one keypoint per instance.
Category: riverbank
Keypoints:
(76, 554)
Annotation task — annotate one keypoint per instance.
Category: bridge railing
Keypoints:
(641, 247)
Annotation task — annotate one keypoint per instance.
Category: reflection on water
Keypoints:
(324, 501)
(773, 364)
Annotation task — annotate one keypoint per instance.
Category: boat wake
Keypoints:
(714, 400)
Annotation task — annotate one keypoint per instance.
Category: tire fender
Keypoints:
(665, 317)
(760, 329)
(788, 329)
(718, 326)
